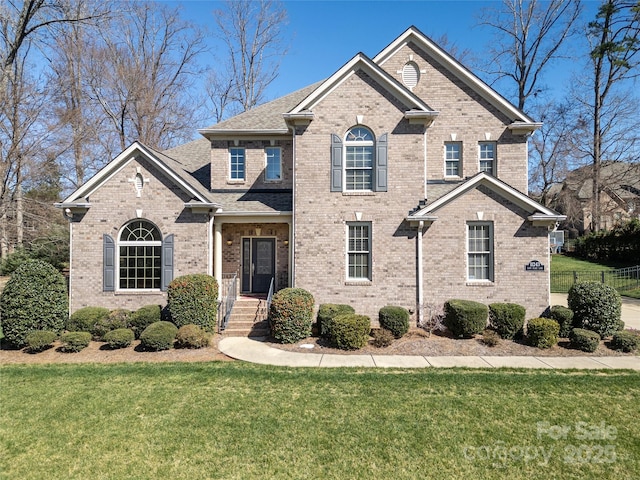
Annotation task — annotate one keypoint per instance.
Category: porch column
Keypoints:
(290, 280)
(217, 251)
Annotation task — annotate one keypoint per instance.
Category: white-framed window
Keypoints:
(488, 157)
(453, 159)
(359, 251)
(359, 159)
(273, 167)
(236, 163)
(139, 256)
(480, 251)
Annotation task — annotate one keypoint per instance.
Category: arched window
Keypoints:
(140, 256)
(359, 159)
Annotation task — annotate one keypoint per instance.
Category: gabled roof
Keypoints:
(170, 167)
(413, 35)
(539, 213)
(364, 63)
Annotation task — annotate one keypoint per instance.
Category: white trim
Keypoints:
(151, 243)
(492, 246)
(266, 165)
(412, 34)
(121, 161)
(368, 279)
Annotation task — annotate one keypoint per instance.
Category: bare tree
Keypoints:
(530, 34)
(614, 38)
(140, 72)
(253, 34)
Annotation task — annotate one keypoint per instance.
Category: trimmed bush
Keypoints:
(327, 312)
(542, 332)
(193, 299)
(85, 319)
(143, 317)
(490, 338)
(382, 337)
(584, 340)
(507, 319)
(119, 338)
(394, 319)
(564, 317)
(116, 319)
(158, 336)
(625, 341)
(192, 336)
(350, 331)
(595, 307)
(75, 341)
(465, 318)
(40, 340)
(34, 298)
(291, 315)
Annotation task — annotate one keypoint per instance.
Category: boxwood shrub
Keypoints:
(116, 319)
(394, 319)
(584, 340)
(542, 332)
(350, 331)
(75, 341)
(291, 315)
(382, 337)
(86, 319)
(143, 317)
(193, 299)
(507, 319)
(465, 318)
(158, 336)
(40, 340)
(327, 312)
(564, 317)
(625, 341)
(34, 298)
(595, 307)
(119, 338)
(192, 336)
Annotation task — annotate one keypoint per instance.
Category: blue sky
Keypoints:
(324, 35)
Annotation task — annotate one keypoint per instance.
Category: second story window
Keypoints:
(359, 159)
(273, 168)
(488, 157)
(453, 159)
(236, 164)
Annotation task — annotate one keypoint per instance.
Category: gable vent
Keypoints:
(410, 74)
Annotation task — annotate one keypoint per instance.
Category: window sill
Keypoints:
(480, 283)
(235, 182)
(358, 283)
(273, 181)
(357, 193)
(134, 291)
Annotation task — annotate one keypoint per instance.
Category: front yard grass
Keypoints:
(241, 421)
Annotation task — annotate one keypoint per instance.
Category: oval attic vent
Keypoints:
(410, 74)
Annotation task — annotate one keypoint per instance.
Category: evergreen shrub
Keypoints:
(465, 318)
(350, 331)
(596, 306)
(564, 317)
(507, 319)
(327, 312)
(395, 319)
(158, 336)
(542, 332)
(193, 299)
(625, 341)
(86, 319)
(291, 315)
(584, 340)
(192, 336)
(119, 338)
(39, 340)
(75, 341)
(143, 317)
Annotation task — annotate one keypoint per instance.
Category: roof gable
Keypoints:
(364, 63)
(413, 35)
(165, 164)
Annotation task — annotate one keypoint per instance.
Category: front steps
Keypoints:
(248, 318)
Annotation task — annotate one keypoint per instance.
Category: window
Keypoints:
(359, 159)
(273, 170)
(236, 164)
(488, 157)
(359, 251)
(480, 251)
(452, 159)
(139, 250)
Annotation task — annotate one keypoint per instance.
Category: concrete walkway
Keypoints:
(254, 350)
(630, 309)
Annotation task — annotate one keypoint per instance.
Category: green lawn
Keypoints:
(564, 268)
(563, 263)
(240, 421)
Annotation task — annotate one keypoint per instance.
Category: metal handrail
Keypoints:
(228, 300)
(270, 294)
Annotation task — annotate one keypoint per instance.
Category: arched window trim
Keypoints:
(156, 277)
(359, 149)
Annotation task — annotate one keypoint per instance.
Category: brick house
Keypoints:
(398, 180)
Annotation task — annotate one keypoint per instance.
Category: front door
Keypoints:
(258, 264)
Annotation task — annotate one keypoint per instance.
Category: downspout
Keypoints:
(424, 167)
(420, 279)
(69, 216)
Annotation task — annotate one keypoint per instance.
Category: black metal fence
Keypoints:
(620, 279)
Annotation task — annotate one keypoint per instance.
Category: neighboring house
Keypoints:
(398, 180)
(619, 197)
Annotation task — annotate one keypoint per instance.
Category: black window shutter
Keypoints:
(167, 262)
(336, 163)
(381, 164)
(109, 263)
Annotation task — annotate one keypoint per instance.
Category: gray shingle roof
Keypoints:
(236, 201)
